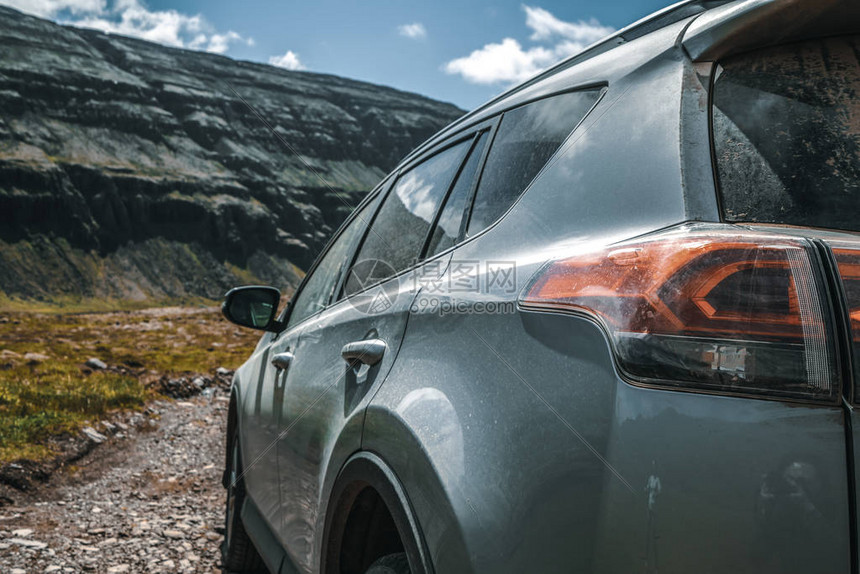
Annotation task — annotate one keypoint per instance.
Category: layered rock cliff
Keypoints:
(133, 170)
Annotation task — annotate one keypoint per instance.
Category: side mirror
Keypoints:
(253, 306)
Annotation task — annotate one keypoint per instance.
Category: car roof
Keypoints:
(718, 28)
(656, 21)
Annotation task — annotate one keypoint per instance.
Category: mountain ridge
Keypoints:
(132, 170)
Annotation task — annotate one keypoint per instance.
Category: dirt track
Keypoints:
(148, 500)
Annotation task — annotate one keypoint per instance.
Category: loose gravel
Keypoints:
(149, 500)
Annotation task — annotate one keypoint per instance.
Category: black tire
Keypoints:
(391, 564)
(238, 553)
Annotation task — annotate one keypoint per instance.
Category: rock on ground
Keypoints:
(152, 503)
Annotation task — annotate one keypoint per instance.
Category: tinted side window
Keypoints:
(787, 134)
(526, 139)
(448, 228)
(397, 234)
(318, 288)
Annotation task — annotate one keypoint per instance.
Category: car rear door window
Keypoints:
(786, 125)
(398, 232)
(527, 137)
(447, 229)
(319, 287)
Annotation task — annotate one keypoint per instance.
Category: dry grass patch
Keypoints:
(45, 388)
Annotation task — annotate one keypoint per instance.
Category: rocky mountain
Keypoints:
(131, 170)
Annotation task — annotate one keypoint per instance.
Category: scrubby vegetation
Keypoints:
(46, 387)
(42, 399)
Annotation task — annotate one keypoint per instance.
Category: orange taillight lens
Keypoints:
(706, 306)
(848, 261)
(847, 255)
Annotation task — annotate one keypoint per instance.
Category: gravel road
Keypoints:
(148, 500)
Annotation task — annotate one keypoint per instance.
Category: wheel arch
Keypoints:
(440, 505)
(363, 471)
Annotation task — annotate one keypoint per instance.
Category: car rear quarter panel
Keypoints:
(522, 449)
(479, 453)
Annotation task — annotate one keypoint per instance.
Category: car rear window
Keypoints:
(786, 125)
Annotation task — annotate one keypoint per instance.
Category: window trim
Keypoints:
(601, 87)
(471, 133)
(712, 144)
(380, 189)
(503, 107)
(422, 253)
(470, 200)
(489, 128)
(384, 188)
(344, 268)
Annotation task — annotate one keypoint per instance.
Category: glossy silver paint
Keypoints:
(320, 443)
(519, 444)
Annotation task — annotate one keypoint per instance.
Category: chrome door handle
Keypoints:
(282, 360)
(367, 352)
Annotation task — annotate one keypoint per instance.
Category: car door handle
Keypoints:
(282, 360)
(367, 352)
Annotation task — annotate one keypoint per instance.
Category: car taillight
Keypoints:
(705, 307)
(847, 257)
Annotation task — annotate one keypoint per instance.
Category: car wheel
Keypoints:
(391, 564)
(238, 552)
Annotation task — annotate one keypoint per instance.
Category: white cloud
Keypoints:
(503, 62)
(416, 30)
(167, 27)
(198, 42)
(289, 61)
(219, 43)
(545, 26)
(508, 62)
(48, 8)
(133, 18)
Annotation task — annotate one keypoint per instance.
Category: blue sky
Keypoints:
(460, 52)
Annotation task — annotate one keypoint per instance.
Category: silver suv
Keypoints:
(607, 322)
